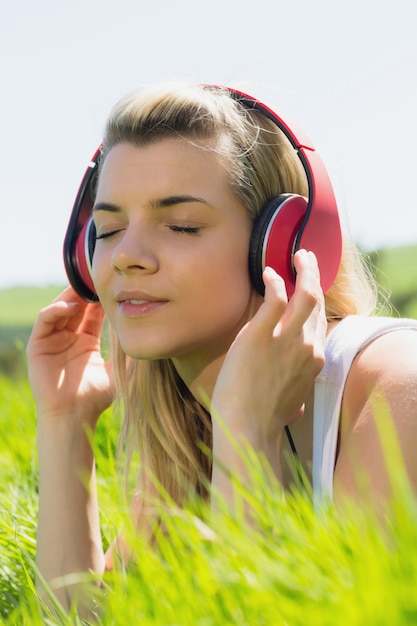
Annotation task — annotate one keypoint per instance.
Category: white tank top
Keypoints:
(343, 343)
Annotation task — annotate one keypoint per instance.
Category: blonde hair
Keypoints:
(172, 430)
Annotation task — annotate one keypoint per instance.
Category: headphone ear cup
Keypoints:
(85, 249)
(273, 238)
(80, 238)
(78, 254)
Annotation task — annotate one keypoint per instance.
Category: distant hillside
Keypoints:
(396, 272)
(19, 307)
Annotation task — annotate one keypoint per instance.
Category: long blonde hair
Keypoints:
(172, 430)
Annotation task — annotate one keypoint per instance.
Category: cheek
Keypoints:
(96, 266)
(225, 279)
(100, 273)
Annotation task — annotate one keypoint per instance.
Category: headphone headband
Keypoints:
(290, 223)
(320, 228)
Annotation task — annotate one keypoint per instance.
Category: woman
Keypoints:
(183, 174)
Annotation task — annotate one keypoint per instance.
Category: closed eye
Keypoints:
(191, 230)
(108, 234)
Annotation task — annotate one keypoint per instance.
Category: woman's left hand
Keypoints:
(271, 366)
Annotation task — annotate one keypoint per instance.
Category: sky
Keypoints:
(345, 71)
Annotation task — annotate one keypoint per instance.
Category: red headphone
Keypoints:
(286, 224)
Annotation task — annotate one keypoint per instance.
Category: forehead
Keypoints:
(167, 162)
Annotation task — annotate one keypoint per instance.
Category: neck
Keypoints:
(200, 370)
(200, 378)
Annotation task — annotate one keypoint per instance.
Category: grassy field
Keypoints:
(293, 567)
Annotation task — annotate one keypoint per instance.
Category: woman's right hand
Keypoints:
(67, 372)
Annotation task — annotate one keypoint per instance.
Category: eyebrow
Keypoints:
(172, 200)
(106, 206)
(157, 204)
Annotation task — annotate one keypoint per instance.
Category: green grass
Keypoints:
(293, 567)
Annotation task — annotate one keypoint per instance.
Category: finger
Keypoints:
(89, 318)
(68, 295)
(49, 333)
(310, 315)
(54, 317)
(275, 301)
(319, 311)
(93, 320)
(307, 302)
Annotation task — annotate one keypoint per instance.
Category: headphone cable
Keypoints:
(295, 456)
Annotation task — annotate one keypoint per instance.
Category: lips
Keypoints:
(137, 297)
(138, 304)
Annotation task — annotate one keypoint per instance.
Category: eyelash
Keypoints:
(188, 230)
(106, 235)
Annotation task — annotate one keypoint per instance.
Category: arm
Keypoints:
(142, 519)
(381, 386)
(269, 372)
(71, 386)
(68, 538)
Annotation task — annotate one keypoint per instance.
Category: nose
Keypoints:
(134, 251)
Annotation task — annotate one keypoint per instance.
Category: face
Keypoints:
(171, 259)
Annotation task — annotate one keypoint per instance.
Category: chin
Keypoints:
(146, 353)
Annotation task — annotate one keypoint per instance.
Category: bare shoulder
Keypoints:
(386, 369)
(393, 354)
(387, 364)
